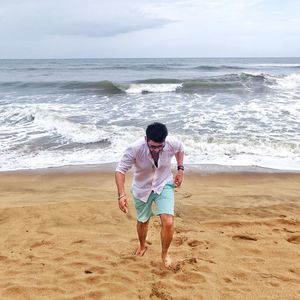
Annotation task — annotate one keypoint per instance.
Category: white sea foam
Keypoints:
(242, 133)
(140, 88)
(204, 150)
(289, 82)
(75, 132)
(120, 137)
(253, 73)
(268, 154)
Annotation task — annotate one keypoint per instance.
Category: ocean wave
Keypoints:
(92, 67)
(274, 65)
(158, 80)
(82, 150)
(240, 82)
(274, 154)
(106, 86)
(33, 119)
(288, 82)
(235, 82)
(217, 68)
(75, 132)
(15, 115)
(144, 66)
(231, 148)
(271, 154)
(100, 87)
(230, 82)
(143, 88)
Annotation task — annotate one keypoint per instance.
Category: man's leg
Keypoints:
(165, 209)
(143, 212)
(142, 229)
(167, 230)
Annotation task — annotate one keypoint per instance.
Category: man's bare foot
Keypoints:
(139, 251)
(167, 261)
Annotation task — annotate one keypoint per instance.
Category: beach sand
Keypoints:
(62, 236)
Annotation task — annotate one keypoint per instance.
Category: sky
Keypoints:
(149, 28)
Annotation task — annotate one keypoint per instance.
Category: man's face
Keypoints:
(155, 147)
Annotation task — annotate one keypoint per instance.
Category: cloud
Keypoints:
(149, 28)
(106, 28)
(91, 18)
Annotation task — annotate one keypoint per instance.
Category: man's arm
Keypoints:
(179, 158)
(179, 176)
(124, 165)
(122, 199)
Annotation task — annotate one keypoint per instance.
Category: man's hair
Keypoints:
(157, 132)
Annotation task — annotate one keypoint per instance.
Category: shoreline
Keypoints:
(189, 169)
(90, 183)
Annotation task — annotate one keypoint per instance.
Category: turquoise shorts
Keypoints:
(164, 204)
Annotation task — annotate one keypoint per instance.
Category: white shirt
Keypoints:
(147, 177)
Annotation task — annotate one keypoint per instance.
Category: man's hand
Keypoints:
(178, 178)
(123, 204)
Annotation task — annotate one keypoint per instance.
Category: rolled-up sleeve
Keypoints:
(127, 161)
(180, 147)
(177, 146)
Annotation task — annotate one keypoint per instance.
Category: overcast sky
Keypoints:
(149, 28)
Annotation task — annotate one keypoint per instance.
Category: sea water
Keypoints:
(227, 111)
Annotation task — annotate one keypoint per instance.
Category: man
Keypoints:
(152, 182)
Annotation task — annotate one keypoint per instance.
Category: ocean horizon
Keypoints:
(231, 112)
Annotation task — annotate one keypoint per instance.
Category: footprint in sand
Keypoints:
(42, 243)
(178, 241)
(287, 230)
(295, 271)
(156, 224)
(79, 242)
(191, 262)
(177, 266)
(187, 195)
(294, 239)
(191, 277)
(243, 237)
(227, 279)
(158, 291)
(195, 243)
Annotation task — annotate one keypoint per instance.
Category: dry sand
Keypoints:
(62, 236)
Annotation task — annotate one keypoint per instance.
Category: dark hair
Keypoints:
(157, 132)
